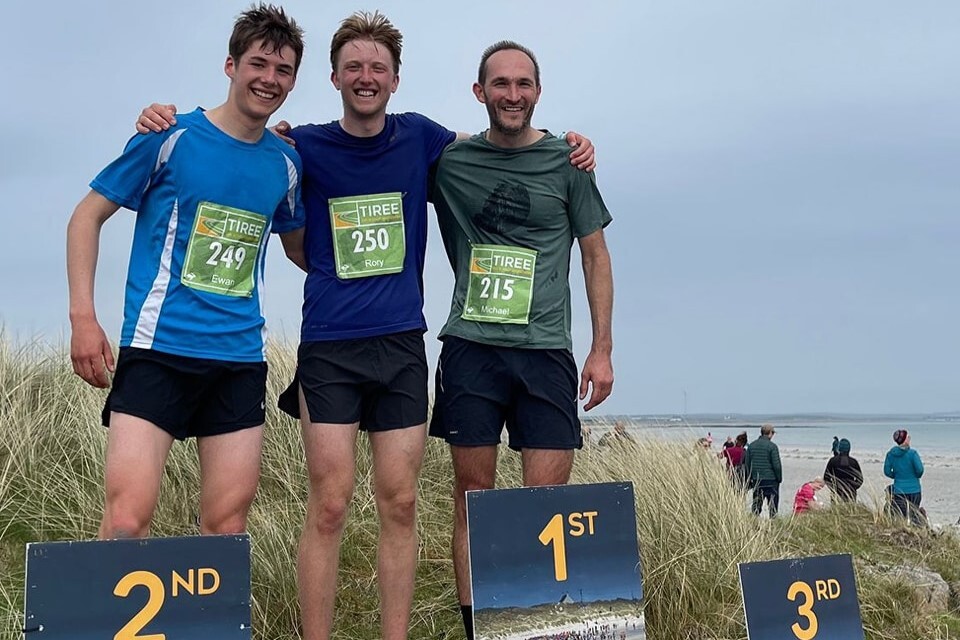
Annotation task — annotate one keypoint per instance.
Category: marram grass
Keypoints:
(693, 527)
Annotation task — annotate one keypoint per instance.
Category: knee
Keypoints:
(399, 508)
(123, 523)
(327, 515)
(234, 523)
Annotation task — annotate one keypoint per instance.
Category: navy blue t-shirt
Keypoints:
(366, 226)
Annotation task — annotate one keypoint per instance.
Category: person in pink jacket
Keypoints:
(806, 498)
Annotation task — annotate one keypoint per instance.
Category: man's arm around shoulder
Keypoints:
(598, 278)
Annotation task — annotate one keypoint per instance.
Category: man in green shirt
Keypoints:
(509, 206)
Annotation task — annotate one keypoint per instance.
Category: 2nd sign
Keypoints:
(801, 599)
(148, 589)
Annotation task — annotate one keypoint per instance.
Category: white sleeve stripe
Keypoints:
(293, 178)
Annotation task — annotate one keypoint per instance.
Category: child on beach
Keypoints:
(806, 498)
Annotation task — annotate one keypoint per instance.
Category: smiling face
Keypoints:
(260, 80)
(509, 91)
(365, 78)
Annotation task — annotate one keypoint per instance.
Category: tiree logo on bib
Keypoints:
(500, 288)
(222, 250)
(368, 234)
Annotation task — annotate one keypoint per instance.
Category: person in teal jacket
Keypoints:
(904, 466)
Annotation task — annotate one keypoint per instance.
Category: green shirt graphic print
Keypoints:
(222, 250)
(368, 234)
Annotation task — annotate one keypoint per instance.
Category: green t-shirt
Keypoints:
(508, 218)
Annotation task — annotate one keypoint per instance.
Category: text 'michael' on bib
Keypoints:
(222, 250)
(500, 288)
(368, 234)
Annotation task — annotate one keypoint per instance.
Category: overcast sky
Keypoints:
(782, 175)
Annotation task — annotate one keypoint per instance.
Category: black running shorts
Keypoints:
(380, 382)
(187, 397)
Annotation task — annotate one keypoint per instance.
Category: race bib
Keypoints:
(222, 250)
(500, 288)
(368, 235)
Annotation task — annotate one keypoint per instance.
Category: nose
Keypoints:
(513, 93)
(269, 75)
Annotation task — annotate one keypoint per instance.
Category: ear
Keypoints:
(230, 68)
(478, 92)
(335, 80)
(539, 89)
(396, 84)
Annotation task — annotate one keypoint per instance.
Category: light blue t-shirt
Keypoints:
(206, 204)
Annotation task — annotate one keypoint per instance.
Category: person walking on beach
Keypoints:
(509, 206)
(192, 357)
(735, 457)
(904, 466)
(764, 471)
(843, 474)
(835, 446)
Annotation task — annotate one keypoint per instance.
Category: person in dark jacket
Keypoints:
(834, 448)
(843, 474)
(765, 473)
(904, 466)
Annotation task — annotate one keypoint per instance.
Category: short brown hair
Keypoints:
(364, 25)
(271, 25)
(505, 45)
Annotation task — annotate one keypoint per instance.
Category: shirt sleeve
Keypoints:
(290, 214)
(126, 179)
(587, 211)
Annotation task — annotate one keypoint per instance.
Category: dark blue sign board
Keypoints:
(189, 588)
(541, 556)
(801, 599)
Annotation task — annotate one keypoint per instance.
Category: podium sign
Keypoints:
(555, 559)
(801, 599)
(189, 588)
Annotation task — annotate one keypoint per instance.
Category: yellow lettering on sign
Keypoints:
(805, 610)
(131, 630)
(553, 534)
(206, 587)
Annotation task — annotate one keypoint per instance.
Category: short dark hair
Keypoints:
(271, 25)
(364, 25)
(506, 45)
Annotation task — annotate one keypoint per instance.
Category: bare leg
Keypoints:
(229, 473)
(397, 457)
(331, 462)
(542, 467)
(136, 452)
(473, 468)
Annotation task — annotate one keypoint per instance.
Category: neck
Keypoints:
(363, 127)
(236, 125)
(523, 138)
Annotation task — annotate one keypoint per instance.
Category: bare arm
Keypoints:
(293, 246)
(598, 277)
(89, 348)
